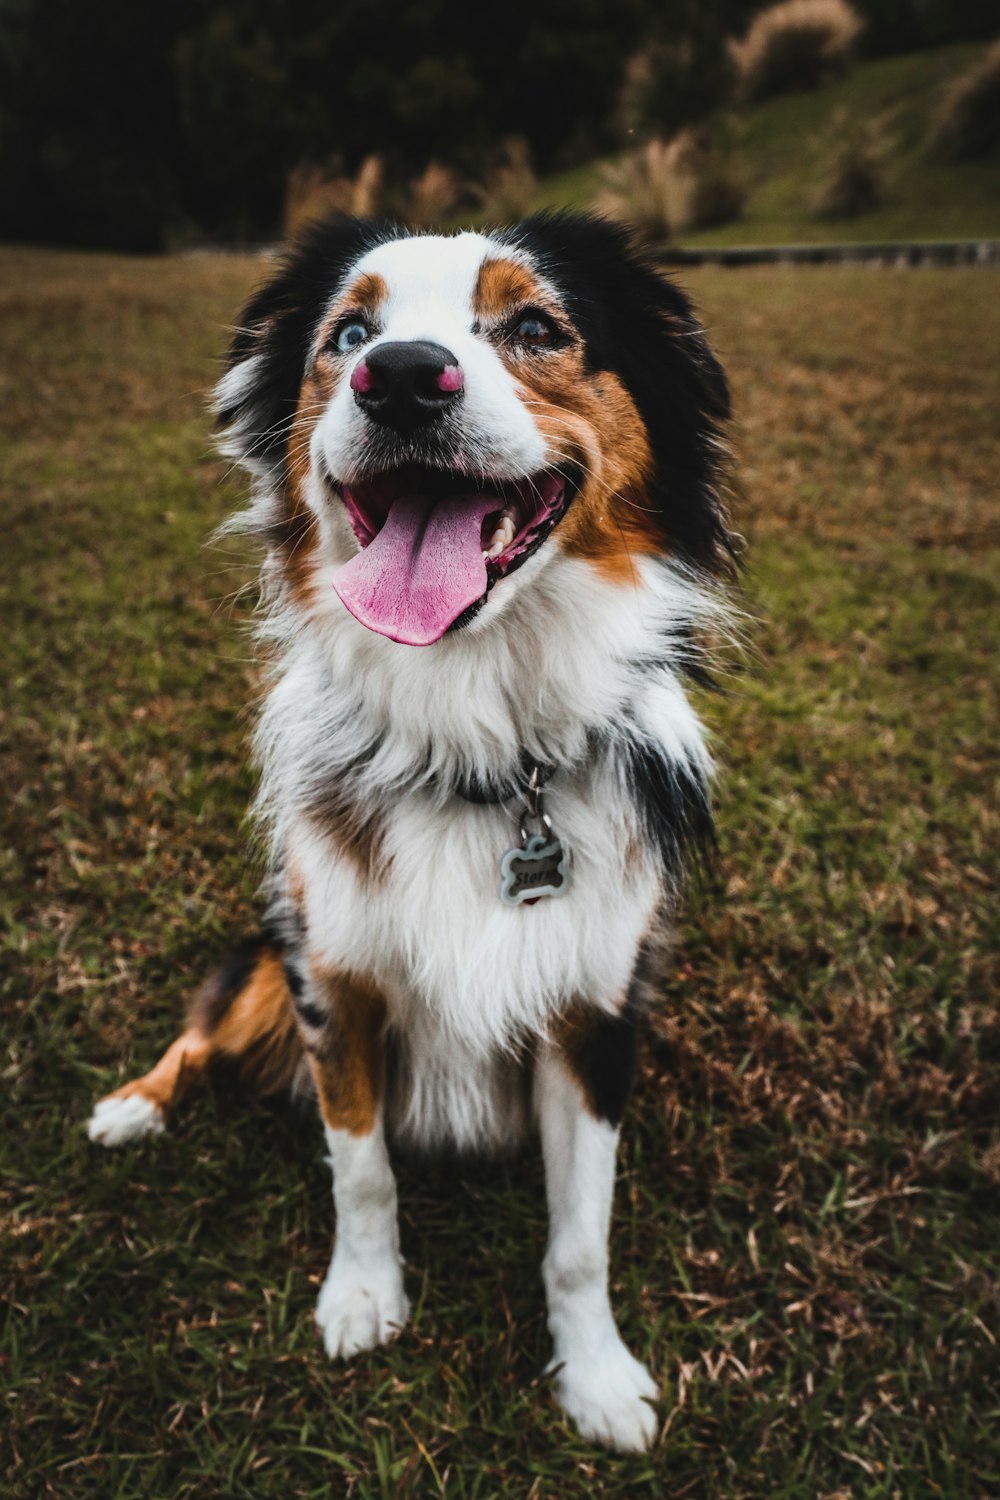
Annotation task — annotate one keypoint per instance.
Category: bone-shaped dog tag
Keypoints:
(538, 868)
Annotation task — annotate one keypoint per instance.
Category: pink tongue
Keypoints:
(422, 570)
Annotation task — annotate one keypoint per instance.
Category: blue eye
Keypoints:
(349, 335)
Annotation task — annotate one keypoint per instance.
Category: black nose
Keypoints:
(407, 384)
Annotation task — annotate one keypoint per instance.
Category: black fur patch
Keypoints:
(613, 1057)
(642, 328)
(279, 323)
(295, 981)
(606, 1058)
(313, 1015)
(672, 801)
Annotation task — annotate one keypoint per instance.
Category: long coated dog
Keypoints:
(487, 472)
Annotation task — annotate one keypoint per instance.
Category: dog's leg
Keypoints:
(362, 1302)
(582, 1082)
(244, 1013)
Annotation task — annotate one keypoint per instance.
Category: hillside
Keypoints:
(781, 149)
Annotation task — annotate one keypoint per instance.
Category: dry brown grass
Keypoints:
(314, 193)
(967, 122)
(797, 44)
(510, 190)
(433, 196)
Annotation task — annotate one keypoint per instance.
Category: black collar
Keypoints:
(494, 792)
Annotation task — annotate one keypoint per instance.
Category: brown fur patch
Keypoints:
(259, 1030)
(591, 420)
(501, 287)
(256, 1029)
(588, 419)
(349, 1073)
(357, 831)
(573, 1035)
(295, 535)
(366, 296)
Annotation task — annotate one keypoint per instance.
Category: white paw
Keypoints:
(361, 1306)
(608, 1398)
(116, 1121)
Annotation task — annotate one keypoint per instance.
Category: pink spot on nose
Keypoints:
(362, 378)
(451, 378)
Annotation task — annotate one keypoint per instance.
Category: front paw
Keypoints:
(361, 1306)
(608, 1398)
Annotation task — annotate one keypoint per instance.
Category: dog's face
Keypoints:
(432, 412)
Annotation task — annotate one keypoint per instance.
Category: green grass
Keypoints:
(781, 150)
(808, 1210)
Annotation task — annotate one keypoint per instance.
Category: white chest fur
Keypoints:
(434, 933)
(465, 976)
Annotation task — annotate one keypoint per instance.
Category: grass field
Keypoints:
(781, 151)
(808, 1211)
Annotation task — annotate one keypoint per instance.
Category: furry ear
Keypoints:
(637, 324)
(256, 399)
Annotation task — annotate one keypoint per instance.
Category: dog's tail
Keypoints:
(243, 1014)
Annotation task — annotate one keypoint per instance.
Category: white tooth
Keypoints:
(502, 537)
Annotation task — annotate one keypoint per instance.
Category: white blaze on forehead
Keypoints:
(431, 281)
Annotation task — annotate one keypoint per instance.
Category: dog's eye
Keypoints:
(349, 335)
(535, 330)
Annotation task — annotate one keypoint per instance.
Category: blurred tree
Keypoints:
(124, 125)
(120, 123)
(909, 25)
(88, 129)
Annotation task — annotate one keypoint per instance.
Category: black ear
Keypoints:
(257, 397)
(642, 327)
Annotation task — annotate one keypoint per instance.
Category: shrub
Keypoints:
(511, 189)
(967, 122)
(797, 44)
(669, 84)
(717, 196)
(667, 186)
(312, 193)
(853, 182)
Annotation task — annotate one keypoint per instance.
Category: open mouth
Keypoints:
(434, 542)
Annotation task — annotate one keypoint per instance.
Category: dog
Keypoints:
(489, 472)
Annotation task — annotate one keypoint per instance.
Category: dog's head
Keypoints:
(430, 412)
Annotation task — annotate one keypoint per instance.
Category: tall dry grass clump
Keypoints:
(967, 122)
(433, 196)
(667, 186)
(649, 189)
(511, 189)
(797, 44)
(313, 193)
